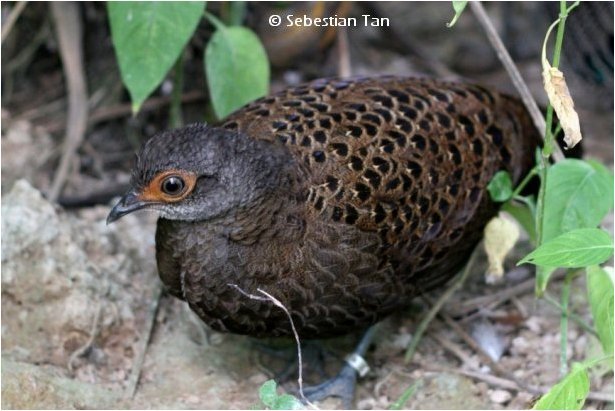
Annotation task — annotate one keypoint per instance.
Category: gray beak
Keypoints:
(127, 204)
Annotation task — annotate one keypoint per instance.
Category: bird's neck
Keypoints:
(266, 220)
(276, 215)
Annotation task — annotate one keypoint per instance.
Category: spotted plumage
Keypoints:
(342, 198)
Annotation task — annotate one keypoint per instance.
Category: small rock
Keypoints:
(28, 221)
(489, 339)
(192, 399)
(401, 341)
(523, 400)
(367, 404)
(520, 344)
(499, 396)
(533, 324)
(216, 338)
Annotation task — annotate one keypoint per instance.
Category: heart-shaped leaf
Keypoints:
(237, 69)
(148, 38)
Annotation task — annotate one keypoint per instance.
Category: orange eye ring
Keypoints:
(155, 190)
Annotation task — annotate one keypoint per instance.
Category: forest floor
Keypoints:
(85, 323)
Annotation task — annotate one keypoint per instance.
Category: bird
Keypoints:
(342, 198)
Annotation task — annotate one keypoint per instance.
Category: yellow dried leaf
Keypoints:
(501, 235)
(559, 96)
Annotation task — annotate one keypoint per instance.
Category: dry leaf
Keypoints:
(501, 234)
(559, 96)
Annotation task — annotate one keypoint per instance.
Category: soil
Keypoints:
(85, 322)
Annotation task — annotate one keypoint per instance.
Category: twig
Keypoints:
(344, 68)
(513, 72)
(520, 307)
(277, 303)
(420, 330)
(49, 109)
(135, 374)
(511, 385)
(69, 31)
(85, 347)
(10, 21)
(453, 348)
(468, 339)
(494, 300)
(111, 112)
(26, 53)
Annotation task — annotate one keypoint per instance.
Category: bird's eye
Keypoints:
(173, 185)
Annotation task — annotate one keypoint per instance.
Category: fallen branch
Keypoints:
(69, 31)
(12, 18)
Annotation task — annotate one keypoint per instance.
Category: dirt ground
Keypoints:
(85, 322)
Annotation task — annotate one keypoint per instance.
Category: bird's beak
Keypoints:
(127, 204)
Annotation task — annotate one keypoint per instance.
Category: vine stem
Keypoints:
(533, 172)
(549, 147)
(580, 321)
(543, 171)
(563, 360)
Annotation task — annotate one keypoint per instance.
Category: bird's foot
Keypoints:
(343, 385)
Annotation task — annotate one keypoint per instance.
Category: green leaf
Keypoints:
(578, 195)
(287, 402)
(237, 69)
(576, 248)
(148, 38)
(600, 295)
(543, 274)
(267, 393)
(458, 6)
(569, 393)
(405, 396)
(500, 187)
(524, 216)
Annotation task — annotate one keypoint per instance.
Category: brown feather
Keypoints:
(387, 199)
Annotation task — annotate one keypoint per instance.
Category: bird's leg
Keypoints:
(313, 353)
(343, 385)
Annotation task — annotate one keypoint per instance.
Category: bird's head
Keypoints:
(199, 172)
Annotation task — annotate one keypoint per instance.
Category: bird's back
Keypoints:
(406, 158)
